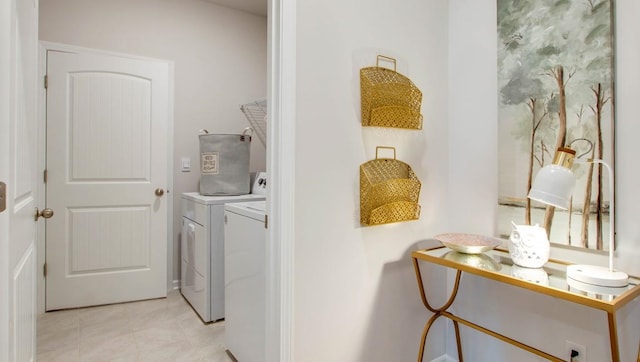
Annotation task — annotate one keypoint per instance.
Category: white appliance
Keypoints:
(202, 269)
(244, 279)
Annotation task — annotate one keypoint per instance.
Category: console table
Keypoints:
(550, 280)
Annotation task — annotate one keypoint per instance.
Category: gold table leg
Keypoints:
(427, 326)
(438, 312)
(613, 337)
(442, 312)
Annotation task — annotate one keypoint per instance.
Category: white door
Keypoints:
(107, 124)
(18, 163)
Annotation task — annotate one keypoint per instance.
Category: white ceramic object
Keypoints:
(529, 246)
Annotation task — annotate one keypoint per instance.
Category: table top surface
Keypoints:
(551, 279)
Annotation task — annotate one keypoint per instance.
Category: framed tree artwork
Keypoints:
(555, 85)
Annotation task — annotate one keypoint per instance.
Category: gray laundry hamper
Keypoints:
(224, 163)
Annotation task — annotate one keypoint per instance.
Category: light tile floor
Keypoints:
(153, 330)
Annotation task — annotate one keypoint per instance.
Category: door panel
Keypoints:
(24, 296)
(107, 121)
(108, 239)
(18, 150)
(110, 129)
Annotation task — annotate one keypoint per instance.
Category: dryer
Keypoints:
(245, 279)
(202, 249)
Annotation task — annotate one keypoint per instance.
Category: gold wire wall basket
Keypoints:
(389, 191)
(388, 98)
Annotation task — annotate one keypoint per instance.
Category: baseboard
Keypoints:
(445, 358)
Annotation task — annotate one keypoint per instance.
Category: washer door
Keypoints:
(193, 283)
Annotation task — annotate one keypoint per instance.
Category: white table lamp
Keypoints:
(553, 186)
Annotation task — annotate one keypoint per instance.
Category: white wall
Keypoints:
(220, 59)
(473, 194)
(356, 297)
(355, 294)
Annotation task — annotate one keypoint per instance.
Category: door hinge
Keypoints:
(46, 81)
(44, 270)
(3, 196)
(266, 221)
(45, 176)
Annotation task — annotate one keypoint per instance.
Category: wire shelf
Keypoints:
(256, 113)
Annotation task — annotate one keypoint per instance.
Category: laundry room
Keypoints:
(216, 56)
(219, 58)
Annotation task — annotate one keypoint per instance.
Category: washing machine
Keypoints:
(245, 279)
(202, 249)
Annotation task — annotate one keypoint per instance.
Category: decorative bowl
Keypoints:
(480, 261)
(468, 243)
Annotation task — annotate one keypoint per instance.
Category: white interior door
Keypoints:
(18, 163)
(107, 123)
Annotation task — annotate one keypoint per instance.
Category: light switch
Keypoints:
(186, 164)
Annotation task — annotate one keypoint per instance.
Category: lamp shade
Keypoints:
(553, 186)
(554, 183)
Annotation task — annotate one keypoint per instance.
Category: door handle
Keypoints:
(45, 213)
(159, 192)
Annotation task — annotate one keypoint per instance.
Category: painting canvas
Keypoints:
(555, 85)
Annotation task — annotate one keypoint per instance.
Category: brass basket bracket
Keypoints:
(386, 59)
(387, 148)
